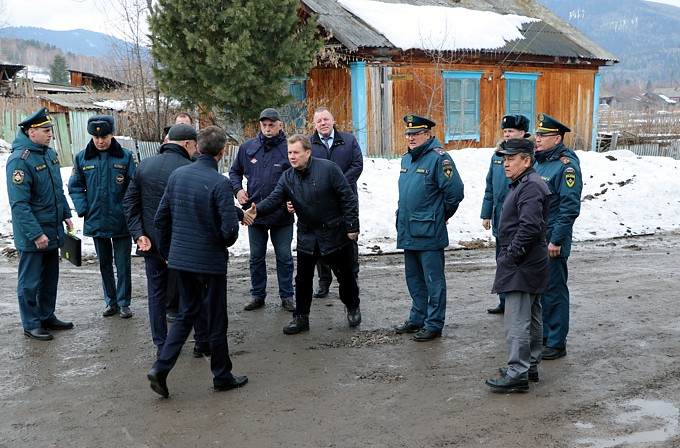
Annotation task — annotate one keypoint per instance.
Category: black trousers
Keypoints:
(199, 292)
(341, 262)
(325, 272)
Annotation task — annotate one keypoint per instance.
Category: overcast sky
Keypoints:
(81, 14)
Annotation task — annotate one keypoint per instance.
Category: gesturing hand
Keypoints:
(249, 215)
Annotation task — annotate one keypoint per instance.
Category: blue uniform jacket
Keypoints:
(262, 161)
(522, 263)
(97, 186)
(495, 192)
(36, 194)
(197, 220)
(430, 190)
(344, 151)
(146, 190)
(325, 204)
(559, 168)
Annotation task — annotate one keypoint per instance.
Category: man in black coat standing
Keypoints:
(522, 266)
(195, 224)
(328, 222)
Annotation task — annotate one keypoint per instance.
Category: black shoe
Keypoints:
(288, 305)
(426, 335)
(56, 324)
(407, 327)
(353, 316)
(496, 310)
(109, 311)
(200, 352)
(125, 312)
(321, 292)
(171, 316)
(254, 304)
(158, 382)
(507, 384)
(299, 324)
(550, 353)
(235, 383)
(533, 374)
(39, 333)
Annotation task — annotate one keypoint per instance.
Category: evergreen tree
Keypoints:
(232, 55)
(58, 73)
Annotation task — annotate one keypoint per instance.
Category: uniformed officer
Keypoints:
(430, 190)
(559, 167)
(100, 177)
(514, 126)
(36, 196)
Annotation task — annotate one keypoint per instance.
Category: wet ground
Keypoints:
(619, 385)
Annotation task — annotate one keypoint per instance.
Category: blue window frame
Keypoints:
(520, 95)
(296, 110)
(462, 105)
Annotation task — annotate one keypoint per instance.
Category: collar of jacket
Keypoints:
(550, 154)
(270, 143)
(303, 173)
(23, 142)
(115, 150)
(174, 147)
(425, 147)
(205, 159)
(337, 138)
(522, 176)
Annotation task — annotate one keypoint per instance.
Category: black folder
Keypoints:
(72, 249)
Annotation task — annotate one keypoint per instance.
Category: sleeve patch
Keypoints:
(570, 179)
(18, 177)
(448, 171)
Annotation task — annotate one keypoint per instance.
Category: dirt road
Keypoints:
(368, 387)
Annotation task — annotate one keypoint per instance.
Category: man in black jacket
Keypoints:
(195, 224)
(343, 149)
(140, 205)
(522, 266)
(328, 221)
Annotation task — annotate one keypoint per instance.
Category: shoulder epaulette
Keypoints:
(25, 154)
(565, 160)
(439, 151)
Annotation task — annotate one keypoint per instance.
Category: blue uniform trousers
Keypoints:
(37, 287)
(556, 305)
(501, 296)
(282, 238)
(108, 249)
(426, 281)
(200, 294)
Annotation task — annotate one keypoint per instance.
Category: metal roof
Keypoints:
(550, 36)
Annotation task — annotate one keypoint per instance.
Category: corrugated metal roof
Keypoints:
(81, 101)
(551, 36)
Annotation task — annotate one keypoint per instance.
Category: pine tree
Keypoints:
(58, 73)
(231, 55)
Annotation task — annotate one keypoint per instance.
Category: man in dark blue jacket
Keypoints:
(36, 196)
(195, 224)
(262, 160)
(101, 174)
(522, 266)
(430, 190)
(343, 149)
(559, 167)
(140, 204)
(328, 220)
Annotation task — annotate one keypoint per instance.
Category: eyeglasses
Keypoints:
(414, 135)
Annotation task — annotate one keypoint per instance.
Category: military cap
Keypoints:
(547, 124)
(270, 114)
(100, 125)
(516, 146)
(181, 132)
(416, 124)
(39, 119)
(515, 121)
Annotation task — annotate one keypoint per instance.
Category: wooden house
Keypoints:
(95, 82)
(459, 74)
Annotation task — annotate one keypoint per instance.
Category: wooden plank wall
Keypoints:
(331, 88)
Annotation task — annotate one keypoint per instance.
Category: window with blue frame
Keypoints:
(462, 105)
(295, 111)
(520, 95)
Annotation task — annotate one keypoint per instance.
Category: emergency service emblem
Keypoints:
(18, 177)
(570, 177)
(120, 178)
(448, 171)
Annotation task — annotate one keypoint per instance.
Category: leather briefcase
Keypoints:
(72, 249)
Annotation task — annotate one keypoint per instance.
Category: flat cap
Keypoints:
(181, 132)
(270, 114)
(516, 146)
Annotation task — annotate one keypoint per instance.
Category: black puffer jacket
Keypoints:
(146, 190)
(324, 202)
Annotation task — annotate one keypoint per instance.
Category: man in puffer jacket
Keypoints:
(101, 174)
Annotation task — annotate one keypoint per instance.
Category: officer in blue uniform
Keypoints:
(430, 190)
(514, 126)
(36, 196)
(559, 167)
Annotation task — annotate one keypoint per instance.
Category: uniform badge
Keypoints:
(253, 160)
(17, 177)
(448, 171)
(120, 178)
(570, 179)
(409, 118)
(541, 118)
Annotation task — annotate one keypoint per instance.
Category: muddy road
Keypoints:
(619, 385)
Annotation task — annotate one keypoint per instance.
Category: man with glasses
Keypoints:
(430, 190)
(559, 167)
